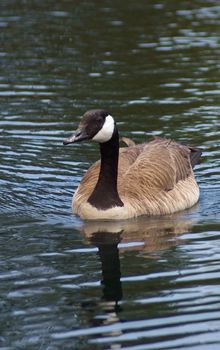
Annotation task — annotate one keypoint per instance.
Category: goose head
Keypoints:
(97, 125)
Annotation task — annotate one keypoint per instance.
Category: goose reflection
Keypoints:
(149, 236)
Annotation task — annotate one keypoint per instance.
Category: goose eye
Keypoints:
(99, 122)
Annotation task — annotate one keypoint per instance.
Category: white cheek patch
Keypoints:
(106, 131)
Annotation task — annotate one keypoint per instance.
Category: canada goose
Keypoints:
(153, 178)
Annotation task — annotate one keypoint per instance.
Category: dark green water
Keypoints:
(139, 285)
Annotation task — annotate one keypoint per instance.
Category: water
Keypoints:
(139, 284)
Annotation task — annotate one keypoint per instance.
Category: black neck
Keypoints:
(105, 194)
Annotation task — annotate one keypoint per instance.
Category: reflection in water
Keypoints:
(107, 244)
(109, 256)
(149, 235)
(146, 234)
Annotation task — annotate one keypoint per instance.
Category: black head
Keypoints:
(96, 124)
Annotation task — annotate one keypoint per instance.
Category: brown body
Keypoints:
(154, 178)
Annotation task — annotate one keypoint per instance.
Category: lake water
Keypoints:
(145, 284)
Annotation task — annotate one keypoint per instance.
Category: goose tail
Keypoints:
(195, 155)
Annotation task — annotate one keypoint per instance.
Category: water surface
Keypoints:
(138, 284)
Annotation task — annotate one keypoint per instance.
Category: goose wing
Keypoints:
(160, 165)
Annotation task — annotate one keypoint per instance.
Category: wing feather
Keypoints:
(159, 167)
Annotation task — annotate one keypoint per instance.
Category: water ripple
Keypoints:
(148, 283)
